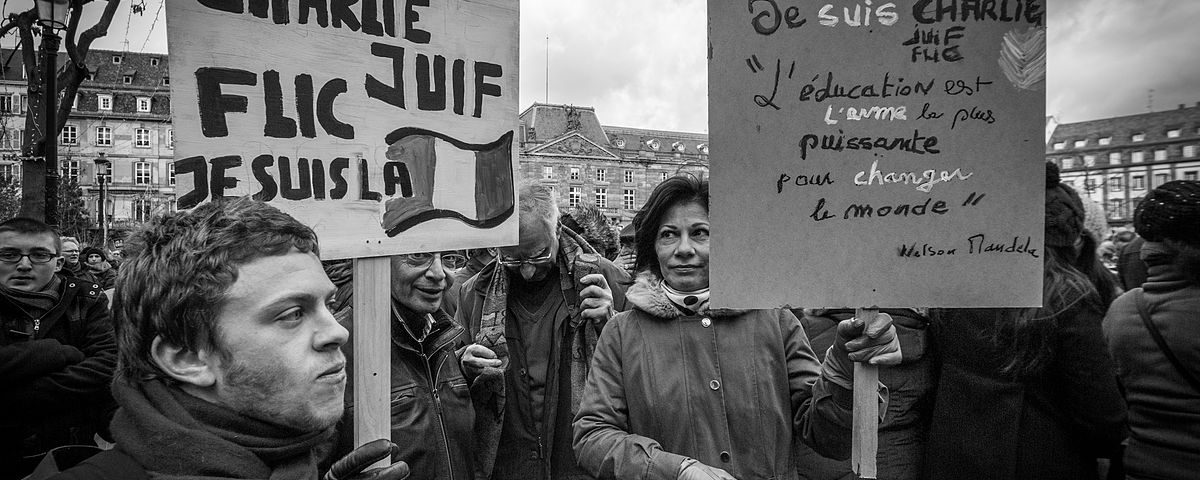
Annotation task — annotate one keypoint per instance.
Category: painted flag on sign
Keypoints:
(449, 178)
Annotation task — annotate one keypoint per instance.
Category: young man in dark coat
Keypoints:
(229, 358)
(57, 352)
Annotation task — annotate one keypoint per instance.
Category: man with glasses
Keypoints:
(534, 314)
(57, 352)
(72, 267)
(431, 414)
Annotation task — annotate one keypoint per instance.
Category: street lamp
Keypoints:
(102, 169)
(52, 14)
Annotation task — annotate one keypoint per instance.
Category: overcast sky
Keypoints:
(641, 63)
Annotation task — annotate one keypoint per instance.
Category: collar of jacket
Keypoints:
(443, 332)
(646, 294)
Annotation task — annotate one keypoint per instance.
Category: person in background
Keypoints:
(99, 267)
(590, 223)
(1030, 393)
(229, 358)
(477, 258)
(1131, 269)
(431, 414)
(57, 351)
(904, 428)
(1153, 333)
(679, 390)
(72, 267)
(534, 314)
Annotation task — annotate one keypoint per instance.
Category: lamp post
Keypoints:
(52, 15)
(102, 169)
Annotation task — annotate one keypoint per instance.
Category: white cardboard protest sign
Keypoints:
(387, 126)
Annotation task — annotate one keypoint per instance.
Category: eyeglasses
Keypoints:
(513, 262)
(420, 260)
(14, 256)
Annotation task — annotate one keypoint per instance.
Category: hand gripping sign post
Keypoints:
(893, 153)
(386, 126)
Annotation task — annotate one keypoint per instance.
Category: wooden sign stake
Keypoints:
(372, 351)
(864, 440)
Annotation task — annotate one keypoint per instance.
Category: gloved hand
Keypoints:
(351, 466)
(876, 344)
(692, 469)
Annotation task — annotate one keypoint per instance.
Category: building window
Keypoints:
(70, 135)
(104, 102)
(141, 209)
(663, 176)
(1160, 154)
(153, 62)
(116, 59)
(547, 172)
(1114, 158)
(1089, 160)
(141, 137)
(127, 79)
(1114, 184)
(166, 81)
(170, 138)
(141, 173)
(629, 176)
(70, 170)
(1161, 178)
(1137, 182)
(627, 199)
(1081, 143)
(7, 105)
(601, 175)
(10, 172)
(171, 176)
(1189, 176)
(1105, 140)
(1068, 162)
(1138, 157)
(143, 104)
(1174, 133)
(1189, 151)
(602, 197)
(1114, 209)
(574, 197)
(1138, 137)
(104, 136)
(1060, 145)
(574, 173)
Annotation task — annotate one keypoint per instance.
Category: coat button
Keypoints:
(726, 457)
(715, 384)
(71, 285)
(706, 322)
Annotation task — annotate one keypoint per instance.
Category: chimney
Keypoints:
(1182, 106)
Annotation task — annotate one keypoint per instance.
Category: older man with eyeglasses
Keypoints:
(431, 412)
(534, 315)
(57, 351)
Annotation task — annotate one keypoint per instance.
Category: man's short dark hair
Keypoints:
(29, 226)
(178, 268)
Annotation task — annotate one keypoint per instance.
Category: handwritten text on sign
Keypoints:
(895, 151)
(386, 125)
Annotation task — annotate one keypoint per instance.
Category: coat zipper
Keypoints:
(437, 403)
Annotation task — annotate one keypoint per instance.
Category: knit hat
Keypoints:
(1170, 211)
(90, 251)
(1064, 211)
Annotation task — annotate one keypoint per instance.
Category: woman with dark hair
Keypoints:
(1030, 393)
(679, 390)
(1154, 335)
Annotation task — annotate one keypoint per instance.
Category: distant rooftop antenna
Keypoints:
(547, 69)
(1150, 101)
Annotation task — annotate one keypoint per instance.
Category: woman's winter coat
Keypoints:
(1052, 427)
(1164, 410)
(730, 389)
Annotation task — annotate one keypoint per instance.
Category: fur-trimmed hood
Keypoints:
(646, 294)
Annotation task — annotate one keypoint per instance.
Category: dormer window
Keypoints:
(127, 79)
(703, 148)
(116, 59)
(166, 81)
(653, 144)
(677, 146)
(153, 62)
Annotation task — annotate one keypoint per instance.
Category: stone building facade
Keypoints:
(614, 168)
(1116, 161)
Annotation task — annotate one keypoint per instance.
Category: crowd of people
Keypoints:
(225, 353)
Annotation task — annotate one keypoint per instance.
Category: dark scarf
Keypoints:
(35, 304)
(487, 392)
(177, 436)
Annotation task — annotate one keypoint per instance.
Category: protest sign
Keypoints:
(387, 126)
(882, 154)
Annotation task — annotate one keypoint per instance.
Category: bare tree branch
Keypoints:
(33, 82)
(98, 30)
(77, 70)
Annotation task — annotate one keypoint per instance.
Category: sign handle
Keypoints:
(372, 367)
(864, 440)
